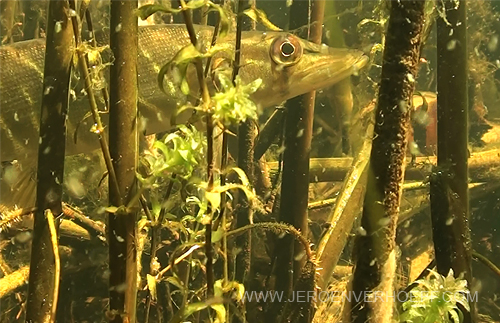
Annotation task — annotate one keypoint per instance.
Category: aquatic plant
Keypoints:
(179, 152)
(234, 105)
(436, 299)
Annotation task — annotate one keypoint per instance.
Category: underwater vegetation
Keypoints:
(244, 161)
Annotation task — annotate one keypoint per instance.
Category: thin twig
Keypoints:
(178, 260)
(205, 95)
(277, 228)
(57, 261)
(488, 263)
(82, 63)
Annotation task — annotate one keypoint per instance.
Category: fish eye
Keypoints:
(286, 50)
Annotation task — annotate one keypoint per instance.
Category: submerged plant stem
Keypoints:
(123, 136)
(298, 136)
(57, 261)
(205, 100)
(246, 135)
(84, 69)
(51, 151)
(374, 252)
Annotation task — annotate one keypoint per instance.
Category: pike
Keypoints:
(288, 66)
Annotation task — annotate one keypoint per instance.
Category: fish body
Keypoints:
(287, 65)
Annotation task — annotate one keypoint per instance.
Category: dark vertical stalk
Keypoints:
(155, 241)
(449, 189)
(31, 18)
(51, 152)
(205, 95)
(340, 94)
(123, 138)
(7, 19)
(298, 135)
(375, 252)
(246, 135)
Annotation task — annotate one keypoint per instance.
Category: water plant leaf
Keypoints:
(218, 235)
(174, 280)
(221, 287)
(179, 153)
(117, 210)
(180, 62)
(224, 21)
(213, 199)
(220, 311)
(260, 16)
(435, 299)
(234, 105)
(144, 12)
(151, 286)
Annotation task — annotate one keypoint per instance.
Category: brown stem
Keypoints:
(51, 153)
(188, 20)
(375, 254)
(123, 136)
(83, 66)
(449, 184)
(298, 135)
(246, 135)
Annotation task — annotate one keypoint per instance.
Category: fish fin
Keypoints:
(18, 185)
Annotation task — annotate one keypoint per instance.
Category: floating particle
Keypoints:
(299, 256)
(361, 231)
(493, 43)
(452, 44)
(449, 221)
(75, 187)
(58, 27)
(48, 89)
(414, 149)
(403, 106)
(384, 221)
(407, 238)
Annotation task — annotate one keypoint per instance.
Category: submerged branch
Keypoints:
(123, 136)
(344, 214)
(483, 166)
(51, 151)
(374, 252)
(246, 135)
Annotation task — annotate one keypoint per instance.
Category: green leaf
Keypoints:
(217, 235)
(196, 4)
(213, 198)
(180, 63)
(151, 286)
(193, 308)
(144, 12)
(234, 105)
(220, 311)
(174, 280)
(224, 21)
(242, 175)
(260, 17)
(120, 210)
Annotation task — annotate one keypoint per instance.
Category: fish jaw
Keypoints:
(319, 67)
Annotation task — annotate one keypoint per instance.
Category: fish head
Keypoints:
(290, 66)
